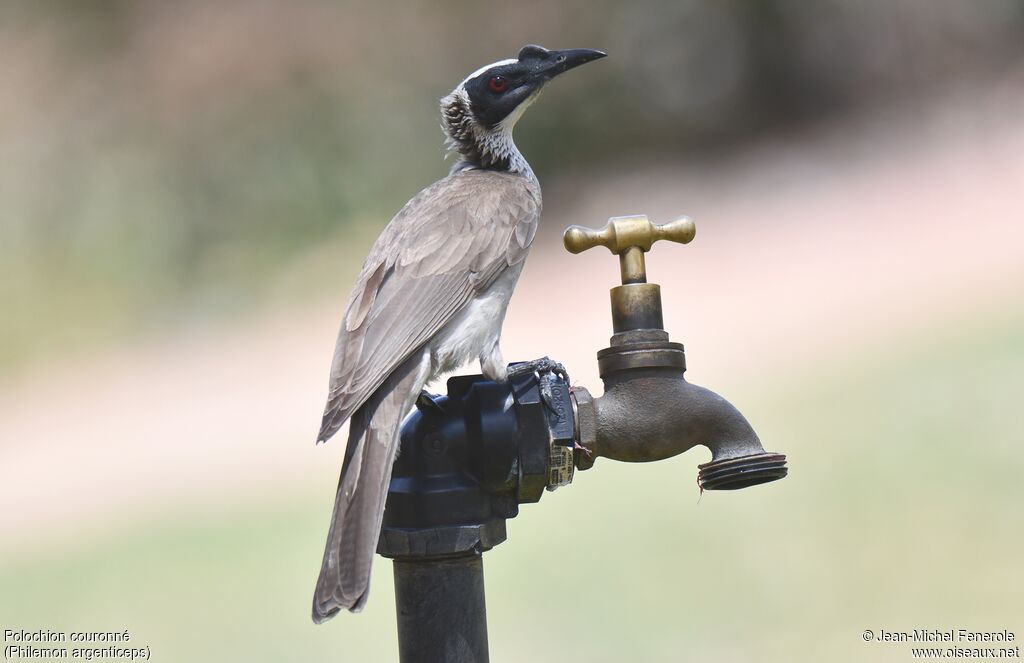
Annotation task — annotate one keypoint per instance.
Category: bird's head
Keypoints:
(479, 114)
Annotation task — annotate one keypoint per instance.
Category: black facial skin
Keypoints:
(535, 67)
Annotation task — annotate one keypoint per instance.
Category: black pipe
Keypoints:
(442, 616)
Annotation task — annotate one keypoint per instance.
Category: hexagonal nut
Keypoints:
(440, 541)
(586, 427)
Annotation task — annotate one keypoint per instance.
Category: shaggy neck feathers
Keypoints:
(478, 147)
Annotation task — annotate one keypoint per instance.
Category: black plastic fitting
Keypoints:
(469, 459)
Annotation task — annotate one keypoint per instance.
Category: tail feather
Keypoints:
(373, 443)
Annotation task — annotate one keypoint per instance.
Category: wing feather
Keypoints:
(446, 245)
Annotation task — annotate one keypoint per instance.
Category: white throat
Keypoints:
(478, 147)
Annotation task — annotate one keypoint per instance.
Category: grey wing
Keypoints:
(448, 244)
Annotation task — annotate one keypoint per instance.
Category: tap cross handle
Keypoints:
(629, 237)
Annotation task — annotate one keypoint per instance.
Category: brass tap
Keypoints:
(648, 410)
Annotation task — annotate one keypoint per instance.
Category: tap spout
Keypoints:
(653, 413)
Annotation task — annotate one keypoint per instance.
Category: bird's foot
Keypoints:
(543, 368)
(538, 366)
(579, 447)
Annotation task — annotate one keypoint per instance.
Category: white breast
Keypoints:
(476, 327)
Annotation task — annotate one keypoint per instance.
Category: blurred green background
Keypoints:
(187, 191)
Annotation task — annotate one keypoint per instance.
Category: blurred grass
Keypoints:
(901, 512)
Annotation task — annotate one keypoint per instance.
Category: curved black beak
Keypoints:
(545, 64)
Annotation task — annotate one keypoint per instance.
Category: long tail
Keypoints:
(373, 444)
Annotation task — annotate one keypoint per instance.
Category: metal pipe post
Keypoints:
(442, 616)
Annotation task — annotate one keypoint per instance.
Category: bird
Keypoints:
(431, 296)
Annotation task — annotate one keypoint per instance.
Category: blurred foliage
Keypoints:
(165, 161)
(875, 502)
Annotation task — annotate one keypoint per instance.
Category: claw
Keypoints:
(542, 366)
(546, 396)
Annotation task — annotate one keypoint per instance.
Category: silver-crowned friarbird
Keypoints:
(431, 296)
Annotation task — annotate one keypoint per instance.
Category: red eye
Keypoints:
(497, 84)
